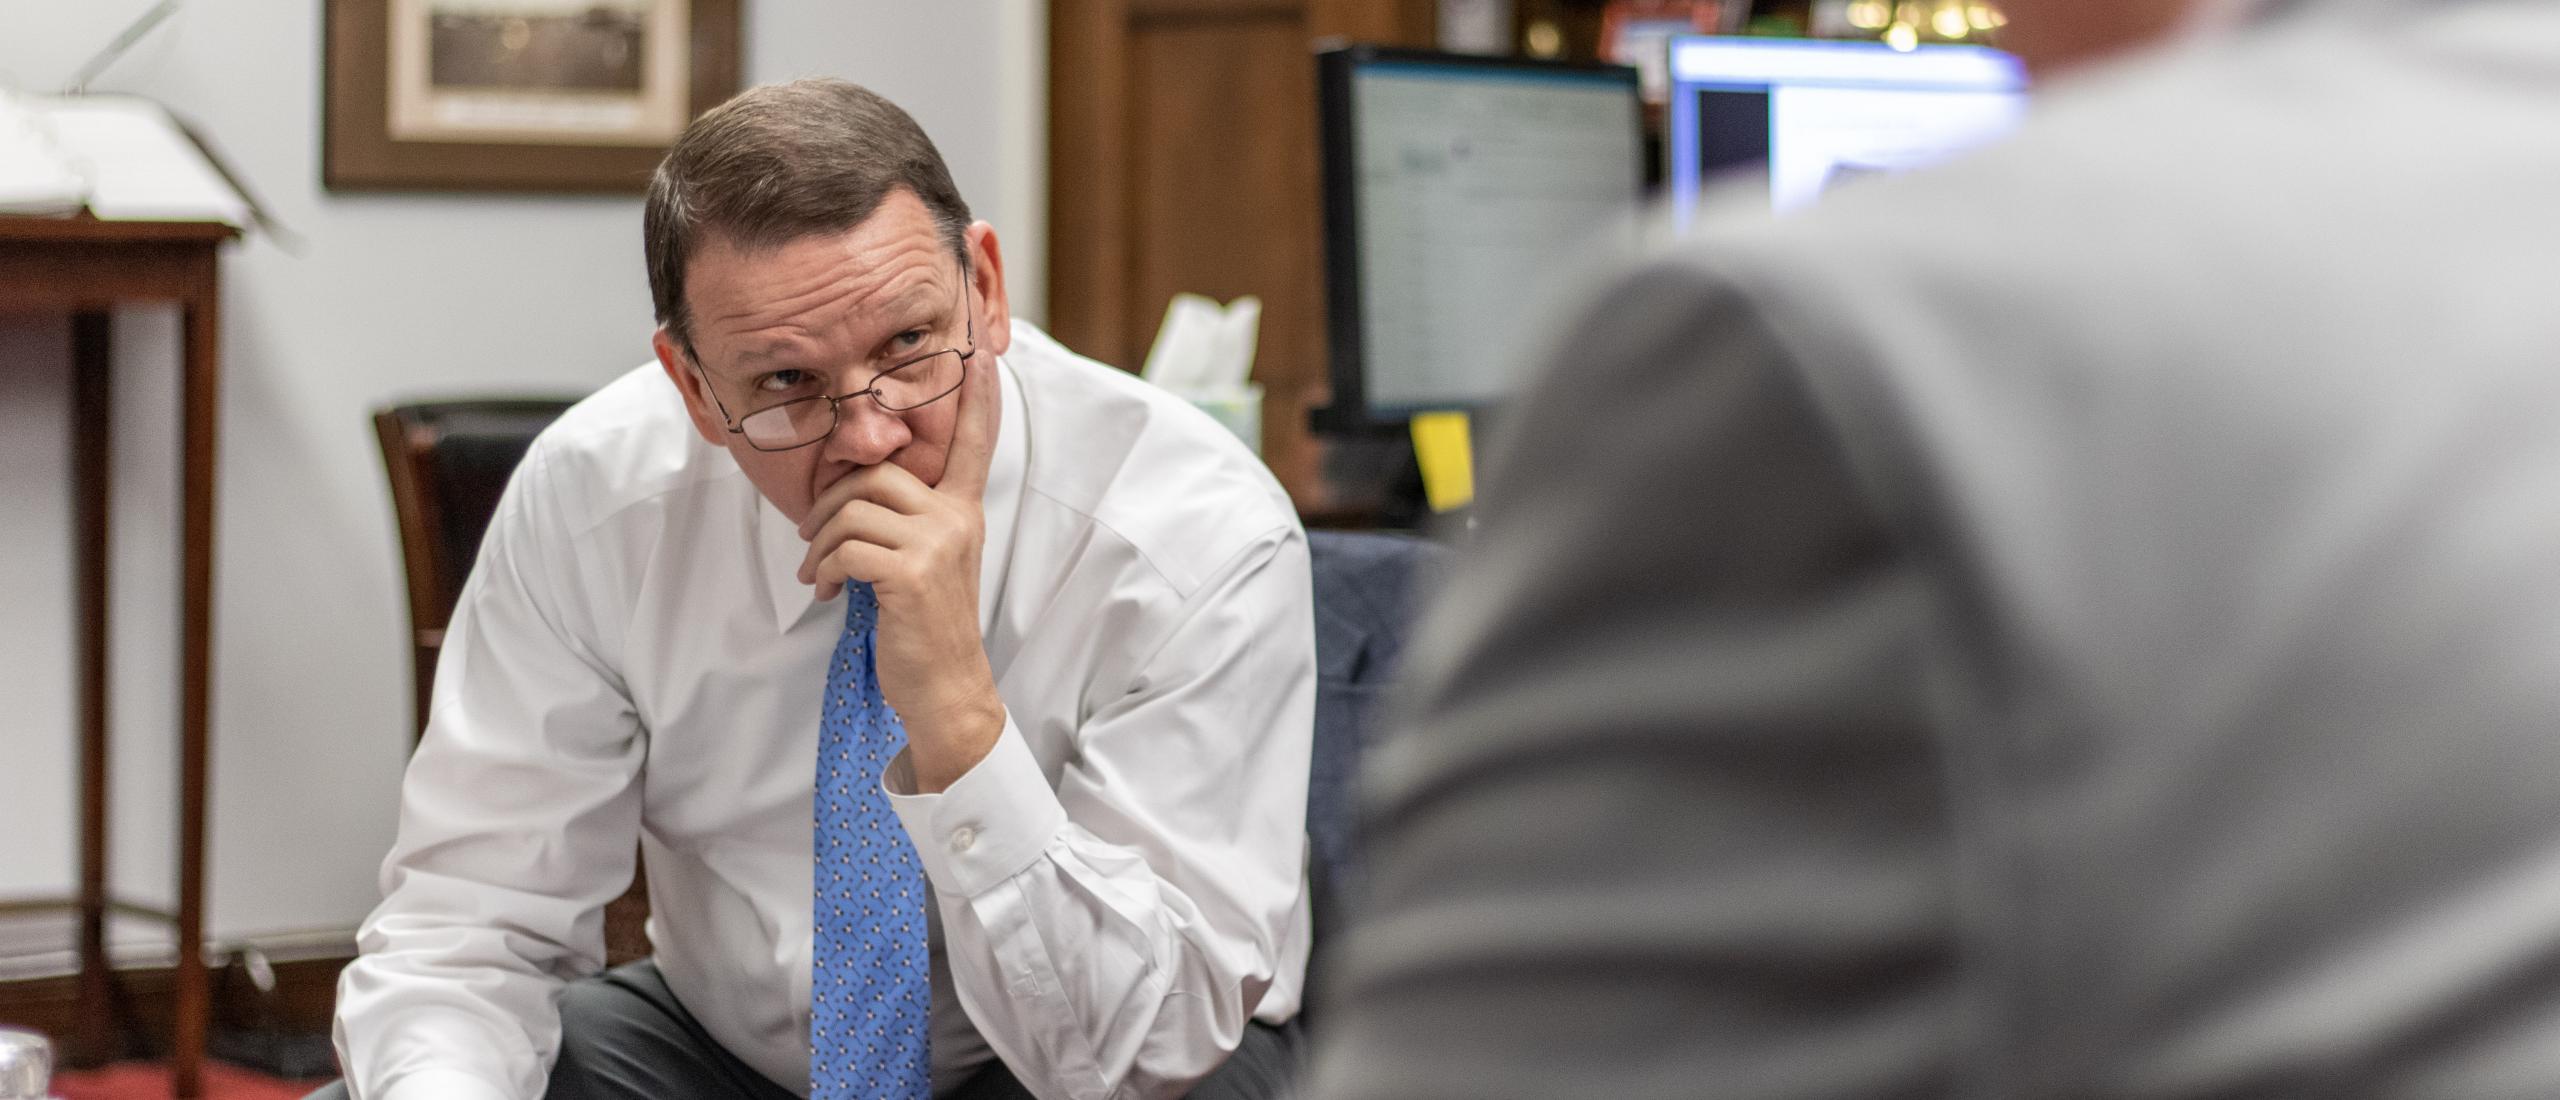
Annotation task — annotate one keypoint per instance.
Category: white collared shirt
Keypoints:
(1119, 885)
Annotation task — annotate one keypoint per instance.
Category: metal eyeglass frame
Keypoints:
(871, 389)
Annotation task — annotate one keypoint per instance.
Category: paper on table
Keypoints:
(140, 166)
(36, 174)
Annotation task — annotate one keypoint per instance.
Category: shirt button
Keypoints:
(963, 839)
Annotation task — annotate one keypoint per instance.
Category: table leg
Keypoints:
(195, 1000)
(93, 1029)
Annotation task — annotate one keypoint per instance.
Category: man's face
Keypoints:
(823, 314)
(2055, 35)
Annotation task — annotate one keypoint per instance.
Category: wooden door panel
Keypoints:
(1223, 201)
(1183, 158)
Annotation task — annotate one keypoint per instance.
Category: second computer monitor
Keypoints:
(1822, 115)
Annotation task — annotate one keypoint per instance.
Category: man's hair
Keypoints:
(780, 162)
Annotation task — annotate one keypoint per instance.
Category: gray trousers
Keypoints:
(623, 1036)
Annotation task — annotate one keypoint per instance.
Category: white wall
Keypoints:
(392, 297)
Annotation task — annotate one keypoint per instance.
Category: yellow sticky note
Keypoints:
(1441, 441)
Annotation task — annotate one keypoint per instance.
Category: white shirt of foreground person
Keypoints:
(1119, 886)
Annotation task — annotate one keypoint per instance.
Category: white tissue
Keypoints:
(1205, 348)
(1204, 353)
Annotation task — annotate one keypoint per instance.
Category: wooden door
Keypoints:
(1182, 157)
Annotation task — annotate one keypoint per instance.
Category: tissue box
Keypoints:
(1239, 410)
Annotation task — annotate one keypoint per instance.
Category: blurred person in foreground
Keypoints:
(957, 690)
(2082, 622)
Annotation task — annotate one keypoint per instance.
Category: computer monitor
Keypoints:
(1452, 185)
(1823, 114)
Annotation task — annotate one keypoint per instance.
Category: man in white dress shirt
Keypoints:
(1094, 620)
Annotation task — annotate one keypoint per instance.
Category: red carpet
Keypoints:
(146, 1081)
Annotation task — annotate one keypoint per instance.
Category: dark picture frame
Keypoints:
(361, 150)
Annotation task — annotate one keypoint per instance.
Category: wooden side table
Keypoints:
(85, 267)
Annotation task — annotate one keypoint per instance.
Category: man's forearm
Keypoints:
(945, 742)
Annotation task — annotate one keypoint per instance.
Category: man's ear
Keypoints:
(689, 381)
(986, 277)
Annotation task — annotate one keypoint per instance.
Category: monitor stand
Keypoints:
(1374, 482)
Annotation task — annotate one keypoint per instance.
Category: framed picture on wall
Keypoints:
(517, 95)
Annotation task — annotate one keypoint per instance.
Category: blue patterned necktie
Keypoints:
(871, 991)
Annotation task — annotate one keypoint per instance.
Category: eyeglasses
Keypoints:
(906, 387)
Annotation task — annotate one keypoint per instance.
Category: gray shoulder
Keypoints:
(2103, 365)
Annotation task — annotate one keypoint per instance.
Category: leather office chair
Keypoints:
(1368, 588)
(448, 463)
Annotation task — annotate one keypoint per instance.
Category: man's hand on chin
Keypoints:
(917, 546)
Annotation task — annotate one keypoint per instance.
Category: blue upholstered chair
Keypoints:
(1368, 588)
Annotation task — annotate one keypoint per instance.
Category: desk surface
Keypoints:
(85, 228)
(83, 263)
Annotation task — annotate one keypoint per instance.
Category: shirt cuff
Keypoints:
(441, 1084)
(987, 826)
